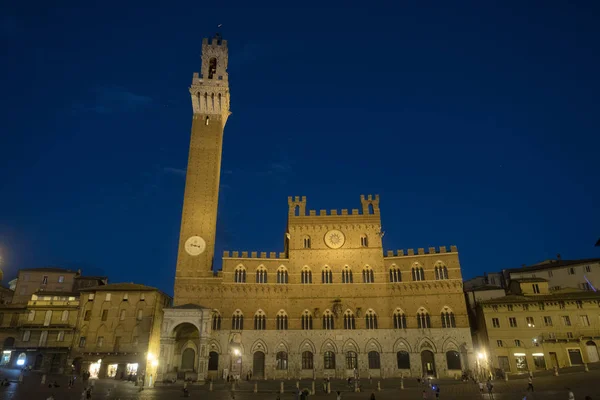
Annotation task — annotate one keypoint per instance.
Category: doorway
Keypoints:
(187, 359)
(592, 352)
(428, 362)
(258, 365)
(553, 360)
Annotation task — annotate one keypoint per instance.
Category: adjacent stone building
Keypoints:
(332, 303)
(38, 321)
(532, 328)
(119, 330)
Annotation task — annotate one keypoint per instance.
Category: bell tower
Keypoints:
(210, 103)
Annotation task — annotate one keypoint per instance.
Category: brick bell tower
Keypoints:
(210, 102)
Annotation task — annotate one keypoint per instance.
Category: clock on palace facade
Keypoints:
(334, 239)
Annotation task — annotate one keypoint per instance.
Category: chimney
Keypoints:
(558, 256)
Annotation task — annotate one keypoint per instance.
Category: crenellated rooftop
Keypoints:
(420, 251)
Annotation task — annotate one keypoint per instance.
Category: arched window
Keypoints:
(296, 210)
(453, 360)
(374, 361)
(306, 275)
(282, 275)
(349, 322)
(282, 321)
(307, 360)
(368, 275)
(441, 272)
(237, 321)
(328, 320)
(65, 316)
(417, 273)
(399, 319)
(423, 319)
(212, 67)
(260, 321)
(346, 275)
(403, 359)
(306, 242)
(448, 320)
(329, 360)
(371, 319)
(281, 360)
(326, 276)
(364, 241)
(395, 274)
(351, 360)
(239, 275)
(371, 209)
(307, 320)
(216, 322)
(261, 275)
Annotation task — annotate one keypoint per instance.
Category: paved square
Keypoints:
(546, 386)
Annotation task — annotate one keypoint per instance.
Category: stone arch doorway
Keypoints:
(258, 365)
(428, 363)
(187, 340)
(188, 359)
(592, 351)
(77, 365)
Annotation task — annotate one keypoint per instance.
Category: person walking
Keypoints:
(437, 393)
(529, 383)
(372, 396)
(481, 387)
(571, 395)
(339, 395)
(490, 388)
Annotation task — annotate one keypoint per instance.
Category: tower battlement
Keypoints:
(369, 203)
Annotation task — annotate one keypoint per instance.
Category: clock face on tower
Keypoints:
(195, 245)
(334, 239)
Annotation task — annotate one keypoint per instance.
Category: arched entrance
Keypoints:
(213, 361)
(592, 351)
(428, 362)
(258, 365)
(188, 358)
(187, 340)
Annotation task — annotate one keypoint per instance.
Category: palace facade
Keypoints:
(332, 303)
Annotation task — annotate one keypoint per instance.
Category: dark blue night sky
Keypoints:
(477, 125)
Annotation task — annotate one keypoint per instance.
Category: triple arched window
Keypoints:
(239, 275)
(441, 272)
(260, 321)
(306, 275)
(237, 320)
(347, 275)
(281, 321)
(448, 320)
(307, 320)
(418, 274)
(371, 320)
(326, 275)
(395, 274)
(423, 319)
(368, 275)
(328, 320)
(349, 321)
(261, 275)
(399, 319)
(281, 360)
(364, 241)
(282, 275)
(307, 360)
